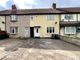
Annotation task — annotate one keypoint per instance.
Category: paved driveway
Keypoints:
(38, 49)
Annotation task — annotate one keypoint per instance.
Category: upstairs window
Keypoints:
(13, 17)
(68, 17)
(50, 17)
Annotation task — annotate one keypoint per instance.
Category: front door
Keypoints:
(36, 32)
(27, 33)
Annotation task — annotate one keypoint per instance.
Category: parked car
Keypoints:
(3, 35)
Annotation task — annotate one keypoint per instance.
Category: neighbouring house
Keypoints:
(42, 22)
(2, 23)
(70, 22)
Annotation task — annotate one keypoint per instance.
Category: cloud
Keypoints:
(3, 3)
(24, 4)
(44, 3)
(68, 3)
(2, 8)
(9, 4)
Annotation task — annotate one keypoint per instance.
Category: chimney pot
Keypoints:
(13, 6)
(14, 9)
(54, 5)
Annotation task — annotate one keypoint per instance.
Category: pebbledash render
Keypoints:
(30, 23)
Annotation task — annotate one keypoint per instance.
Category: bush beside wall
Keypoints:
(3, 35)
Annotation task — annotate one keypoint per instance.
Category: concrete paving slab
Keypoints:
(38, 49)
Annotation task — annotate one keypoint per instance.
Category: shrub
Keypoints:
(3, 35)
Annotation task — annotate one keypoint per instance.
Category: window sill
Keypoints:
(13, 33)
(14, 21)
(69, 34)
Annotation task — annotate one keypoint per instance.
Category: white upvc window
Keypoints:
(78, 29)
(50, 29)
(13, 30)
(70, 30)
(50, 17)
(13, 17)
(68, 17)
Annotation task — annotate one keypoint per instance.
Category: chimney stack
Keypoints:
(14, 9)
(54, 5)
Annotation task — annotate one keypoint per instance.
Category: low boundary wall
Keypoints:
(75, 41)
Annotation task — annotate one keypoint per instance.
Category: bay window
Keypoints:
(70, 30)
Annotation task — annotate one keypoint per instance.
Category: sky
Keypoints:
(32, 4)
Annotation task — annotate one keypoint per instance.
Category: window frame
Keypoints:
(68, 17)
(47, 29)
(69, 31)
(15, 30)
(78, 30)
(50, 29)
(13, 18)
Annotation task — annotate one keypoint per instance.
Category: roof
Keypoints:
(68, 23)
(42, 11)
(70, 9)
(32, 11)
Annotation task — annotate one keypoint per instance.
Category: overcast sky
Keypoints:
(28, 4)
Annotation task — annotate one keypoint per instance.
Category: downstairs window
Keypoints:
(70, 30)
(13, 30)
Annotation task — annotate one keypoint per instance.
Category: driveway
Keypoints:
(38, 49)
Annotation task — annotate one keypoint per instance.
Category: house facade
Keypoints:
(18, 26)
(45, 25)
(70, 25)
(42, 22)
(2, 23)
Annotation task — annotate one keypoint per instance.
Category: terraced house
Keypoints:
(2, 23)
(41, 22)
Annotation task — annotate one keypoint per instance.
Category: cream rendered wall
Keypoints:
(21, 23)
(41, 20)
(78, 17)
(62, 31)
(2, 25)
